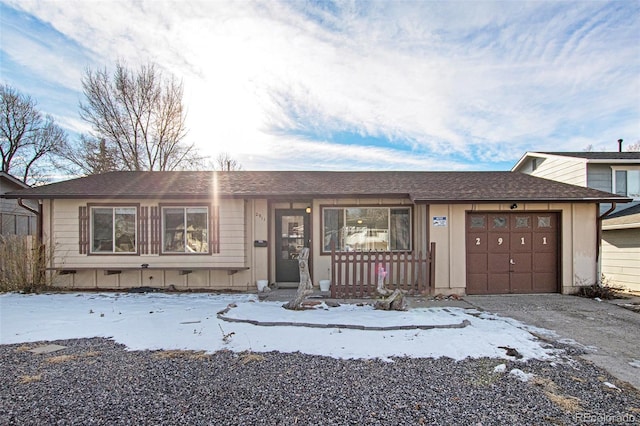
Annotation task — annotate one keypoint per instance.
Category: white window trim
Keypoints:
(614, 169)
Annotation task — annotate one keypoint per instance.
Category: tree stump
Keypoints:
(394, 302)
(305, 288)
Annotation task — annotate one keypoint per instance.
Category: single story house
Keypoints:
(494, 232)
(616, 172)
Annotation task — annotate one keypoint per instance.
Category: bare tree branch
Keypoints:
(224, 162)
(25, 135)
(140, 118)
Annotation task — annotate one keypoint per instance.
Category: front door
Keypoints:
(292, 235)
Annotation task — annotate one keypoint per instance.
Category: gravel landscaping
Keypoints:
(96, 381)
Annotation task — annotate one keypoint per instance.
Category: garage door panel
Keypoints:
(545, 242)
(498, 283)
(477, 242)
(520, 242)
(545, 282)
(544, 262)
(498, 262)
(477, 283)
(498, 242)
(521, 262)
(521, 282)
(477, 262)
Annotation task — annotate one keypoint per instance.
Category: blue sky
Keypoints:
(354, 85)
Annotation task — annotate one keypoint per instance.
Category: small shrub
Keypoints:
(60, 359)
(26, 379)
(247, 357)
(602, 290)
(22, 264)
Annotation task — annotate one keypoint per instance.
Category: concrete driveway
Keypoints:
(611, 333)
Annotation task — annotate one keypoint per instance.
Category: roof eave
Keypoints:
(520, 200)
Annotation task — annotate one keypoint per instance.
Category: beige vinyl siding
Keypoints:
(565, 170)
(66, 253)
(621, 257)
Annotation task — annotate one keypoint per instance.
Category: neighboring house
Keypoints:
(15, 219)
(495, 232)
(616, 172)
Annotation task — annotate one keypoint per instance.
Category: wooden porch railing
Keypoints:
(354, 274)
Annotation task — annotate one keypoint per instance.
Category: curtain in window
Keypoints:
(333, 223)
(400, 229)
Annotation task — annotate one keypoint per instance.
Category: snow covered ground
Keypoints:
(190, 322)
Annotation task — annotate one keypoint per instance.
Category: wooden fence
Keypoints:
(354, 274)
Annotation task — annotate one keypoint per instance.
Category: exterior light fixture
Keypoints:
(308, 209)
(514, 206)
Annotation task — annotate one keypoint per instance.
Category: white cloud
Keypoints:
(454, 78)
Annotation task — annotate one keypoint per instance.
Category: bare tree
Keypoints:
(26, 135)
(224, 162)
(89, 156)
(138, 120)
(634, 147)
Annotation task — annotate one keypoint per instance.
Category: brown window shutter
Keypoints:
(83, 231)
(214, 232)
(143, 230)
(155, 230)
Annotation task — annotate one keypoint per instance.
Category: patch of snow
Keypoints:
(500, 368)
(189, 322)
(611, 386)
(635, 363)
(571, 342)
(521, 375)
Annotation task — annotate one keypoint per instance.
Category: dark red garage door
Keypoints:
(512, 252)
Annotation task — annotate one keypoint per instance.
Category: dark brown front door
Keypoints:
(292, 235)
(512, 252)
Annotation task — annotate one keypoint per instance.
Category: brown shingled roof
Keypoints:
(432, 187)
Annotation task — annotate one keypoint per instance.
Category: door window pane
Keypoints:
(477, 221)
(499, 222)
(293, 240)
(544, 221)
